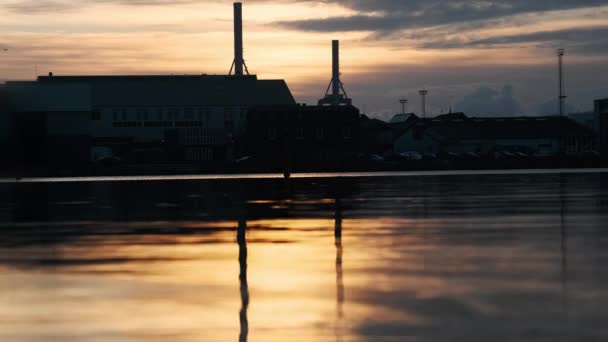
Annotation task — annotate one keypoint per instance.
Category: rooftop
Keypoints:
(504, 128)
(179, 90)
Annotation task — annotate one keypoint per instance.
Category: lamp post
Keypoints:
(423, 94)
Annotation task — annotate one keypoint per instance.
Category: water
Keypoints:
(467, 257)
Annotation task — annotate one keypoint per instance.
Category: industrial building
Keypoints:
(601, 110)
(457, 134)
(192, 118)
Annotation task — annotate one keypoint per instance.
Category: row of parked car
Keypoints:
(414, 156)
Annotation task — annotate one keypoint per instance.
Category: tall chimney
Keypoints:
(238, 39)
(336, 98)
(336, 68)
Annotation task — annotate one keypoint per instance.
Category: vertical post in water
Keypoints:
(238, 39)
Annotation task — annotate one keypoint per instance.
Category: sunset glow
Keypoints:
(381, 60)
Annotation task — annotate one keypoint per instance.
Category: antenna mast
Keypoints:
(562, 92)
(423, 94)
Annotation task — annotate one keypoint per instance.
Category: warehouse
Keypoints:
(172, 118)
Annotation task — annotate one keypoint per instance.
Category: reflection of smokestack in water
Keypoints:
(239, 61)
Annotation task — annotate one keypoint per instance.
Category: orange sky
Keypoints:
(161, 37)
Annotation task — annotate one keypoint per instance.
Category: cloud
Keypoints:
(486, 101)
(551, 107)
(588, 40)
(39, 6)
(389, 15)
(50, 6)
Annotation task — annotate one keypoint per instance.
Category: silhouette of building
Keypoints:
(140, 118)
(587, 119)
(458, 134)
(403, 118)
(375, 136)
(601, 110)
(302, 137)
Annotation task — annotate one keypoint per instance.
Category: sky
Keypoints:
(484, 57)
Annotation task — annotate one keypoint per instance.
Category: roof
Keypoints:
(188, 90)
(505, 128)
(399, 118)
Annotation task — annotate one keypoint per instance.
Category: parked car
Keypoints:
(413, 156)
(376, 158)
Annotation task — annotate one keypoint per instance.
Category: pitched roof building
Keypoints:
(456, 133)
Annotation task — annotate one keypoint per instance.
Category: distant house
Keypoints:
(376, 136)
(587, 119)
(403, 118)
(601, 110)
(456, 133)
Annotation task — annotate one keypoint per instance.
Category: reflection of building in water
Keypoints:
(244, 287)
(564, 244)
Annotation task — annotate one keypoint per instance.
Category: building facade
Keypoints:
(601, 111)
(141, 118)
(303, 137)
(484, 136)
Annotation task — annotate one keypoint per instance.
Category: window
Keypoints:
(320, 133)
(142, 114)
(228, 114)
(188, 114)
(95, 115)
(299, 133)
(115, 114)
(124, 114)
(272, 133)
(346, 133)
(159, 114)
(229, 126)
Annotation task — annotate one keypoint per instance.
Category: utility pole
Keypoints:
(423, 94)
(562, 96)
(403, 102)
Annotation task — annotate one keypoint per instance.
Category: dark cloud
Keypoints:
(389, 15)
(581, 40)
(551, 107)
(486, 101)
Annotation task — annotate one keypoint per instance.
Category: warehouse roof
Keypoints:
(505, 128)
(188, 90)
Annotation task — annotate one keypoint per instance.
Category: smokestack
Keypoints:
(336, 68)
(338, 94)
(238, 39)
